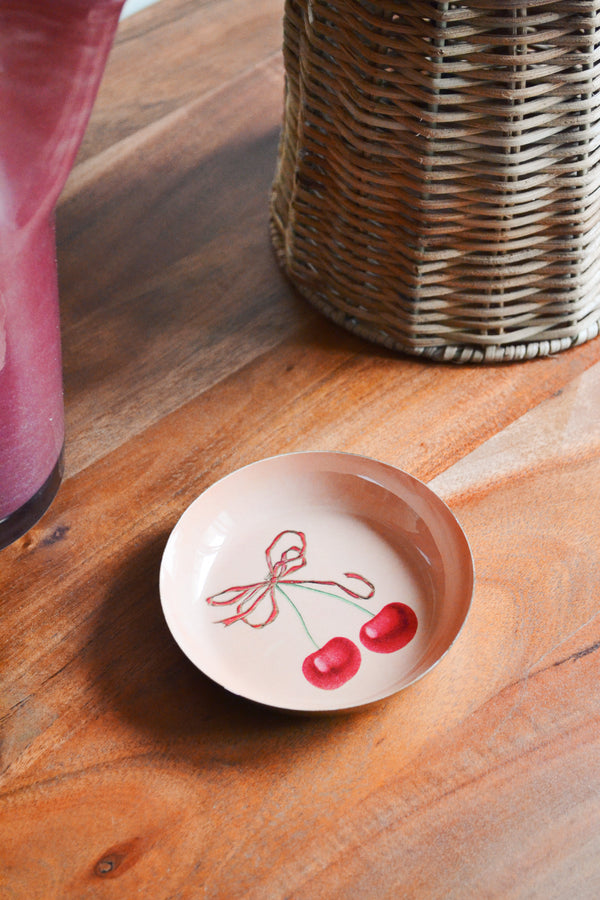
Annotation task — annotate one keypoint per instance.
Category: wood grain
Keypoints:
(165, 58)
(124, 771)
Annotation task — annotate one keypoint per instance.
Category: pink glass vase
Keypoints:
(52, 56)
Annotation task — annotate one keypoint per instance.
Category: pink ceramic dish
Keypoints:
(316, 582)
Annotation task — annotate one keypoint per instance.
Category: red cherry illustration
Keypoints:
(332, 665)
(390, 630)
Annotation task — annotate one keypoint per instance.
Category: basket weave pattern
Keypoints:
(438, 181)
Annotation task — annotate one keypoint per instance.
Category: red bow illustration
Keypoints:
(249, 596)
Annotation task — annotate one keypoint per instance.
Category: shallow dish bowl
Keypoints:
(316, 582)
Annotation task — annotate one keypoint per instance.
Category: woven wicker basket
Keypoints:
(438, 182)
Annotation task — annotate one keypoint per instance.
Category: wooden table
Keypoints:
(126, 772)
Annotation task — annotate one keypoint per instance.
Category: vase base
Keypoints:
(21, 520)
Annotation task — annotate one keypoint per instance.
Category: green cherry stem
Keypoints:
(306, 587)
(299, 614)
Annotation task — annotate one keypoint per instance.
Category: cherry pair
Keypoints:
(337, 661)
